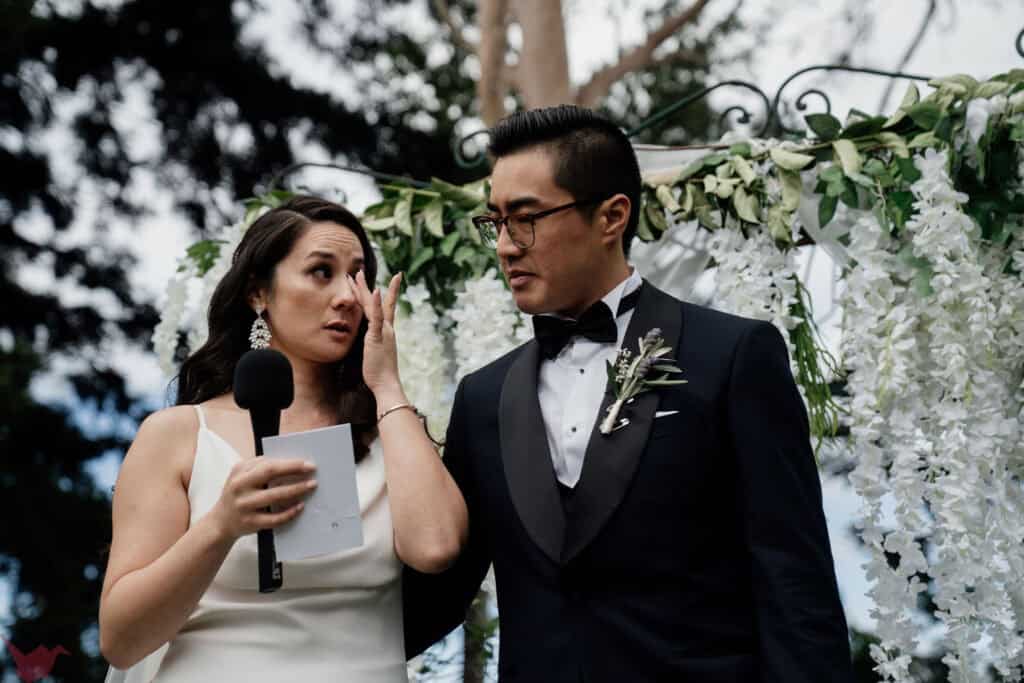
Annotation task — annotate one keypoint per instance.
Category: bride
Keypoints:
(180, 599)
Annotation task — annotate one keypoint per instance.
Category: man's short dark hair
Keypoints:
(592, 156)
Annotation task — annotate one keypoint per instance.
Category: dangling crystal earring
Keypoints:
(259, 335)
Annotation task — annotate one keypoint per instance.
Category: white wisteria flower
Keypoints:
(487, 323)
(422, 362)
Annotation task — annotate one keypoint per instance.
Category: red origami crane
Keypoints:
(37, 664)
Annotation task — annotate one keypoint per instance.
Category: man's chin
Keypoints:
(531, 305)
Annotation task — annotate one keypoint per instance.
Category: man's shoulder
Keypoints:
(721, 322)
(491, 377)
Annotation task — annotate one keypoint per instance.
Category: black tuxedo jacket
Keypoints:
(692, 549)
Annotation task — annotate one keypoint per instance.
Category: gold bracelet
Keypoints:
(399, 407)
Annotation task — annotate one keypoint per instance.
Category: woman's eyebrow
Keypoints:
(320, 254)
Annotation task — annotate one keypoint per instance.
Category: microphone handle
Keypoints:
(271, 576)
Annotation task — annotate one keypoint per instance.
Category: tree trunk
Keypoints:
(493, 83)
(543, 73)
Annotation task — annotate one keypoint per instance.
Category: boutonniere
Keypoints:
(629, 376)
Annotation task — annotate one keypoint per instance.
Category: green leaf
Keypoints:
(403, 213)
(668, 368)
(910, 98)
(791, 161)
(663, 382)
(433, 217)
(421, 258)
(832, 175)
(847, 155)
(826, 210)
(744, 170)
(944, 128)
(991, 89)
(926, 139)
(925, 114)
(463, 197)
(656, 218)
(746, 205)
(849, 194)
(864, 127)
(900, 205)
(449, 242)
(741, 149)
(712, 160)
(908, 170)
(688, 200)
(379, 224)
(896, 143)
(667, 199)
(1017, 132)
(780, 224)
(961, 84)
(643, 227)
(702, 208)
(690, 169)
(825, 126)
(726, 188)
(464, 254)
(792, 188)
(204, 254)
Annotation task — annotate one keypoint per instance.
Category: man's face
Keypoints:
(557, 273)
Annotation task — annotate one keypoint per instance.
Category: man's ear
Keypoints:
(614, 218)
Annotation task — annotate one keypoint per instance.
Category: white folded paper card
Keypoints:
(330, 520)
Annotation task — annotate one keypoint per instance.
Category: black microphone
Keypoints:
(264, 387)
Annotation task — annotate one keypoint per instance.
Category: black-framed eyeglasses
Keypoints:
(520, 226)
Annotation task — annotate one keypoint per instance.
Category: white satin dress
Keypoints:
(337, 617)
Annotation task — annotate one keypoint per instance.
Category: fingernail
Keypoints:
(311, 484)
(309, 467)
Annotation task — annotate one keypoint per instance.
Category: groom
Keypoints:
(687, 545)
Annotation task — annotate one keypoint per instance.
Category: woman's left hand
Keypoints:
(380, 353)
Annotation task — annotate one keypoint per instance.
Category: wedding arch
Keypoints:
(921, 211)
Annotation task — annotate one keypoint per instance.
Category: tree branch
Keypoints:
(457, 32)
(591, 92)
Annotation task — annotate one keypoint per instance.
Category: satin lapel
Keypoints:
(611, 459)
(526, 458)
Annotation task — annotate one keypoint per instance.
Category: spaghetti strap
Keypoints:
(202, 417)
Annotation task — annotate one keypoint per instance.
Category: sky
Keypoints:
(970, 36)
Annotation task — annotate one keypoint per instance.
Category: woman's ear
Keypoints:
(615, 214)
(257, 299)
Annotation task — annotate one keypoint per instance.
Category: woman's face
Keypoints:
(311, 307)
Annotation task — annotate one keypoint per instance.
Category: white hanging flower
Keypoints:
(165, 335)
(422, 362)
(487, 324)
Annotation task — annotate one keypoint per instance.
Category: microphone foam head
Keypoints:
(263, 380)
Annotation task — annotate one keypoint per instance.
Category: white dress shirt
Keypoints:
(571, 386)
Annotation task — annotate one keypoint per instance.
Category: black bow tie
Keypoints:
(596, 324)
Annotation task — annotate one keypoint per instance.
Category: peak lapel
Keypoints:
(526, 458)
(611, 459)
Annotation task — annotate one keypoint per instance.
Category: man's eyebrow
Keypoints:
(517, 203)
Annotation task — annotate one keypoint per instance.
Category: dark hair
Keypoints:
(592, 156)
(209, 372)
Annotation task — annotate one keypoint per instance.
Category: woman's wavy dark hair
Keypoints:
(209, 372)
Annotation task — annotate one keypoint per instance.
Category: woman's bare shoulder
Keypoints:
(169, 425)
(163, 446)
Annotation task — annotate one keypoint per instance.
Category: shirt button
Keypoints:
(581, 371)
(573, 430)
